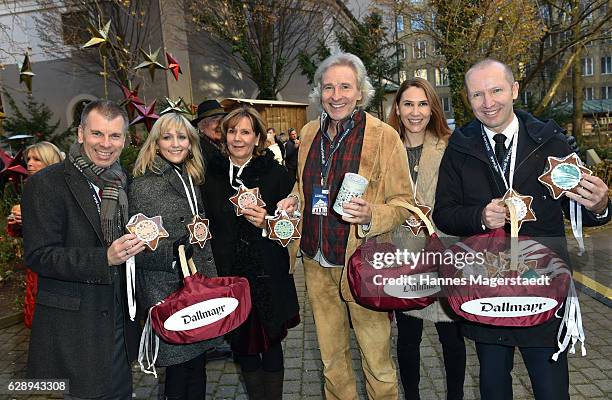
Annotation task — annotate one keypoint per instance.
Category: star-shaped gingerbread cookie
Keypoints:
(522, 205)
(414, 222)
(563, 174)
(283, 228)
(199, 231)
(245, 197)
(149, 230)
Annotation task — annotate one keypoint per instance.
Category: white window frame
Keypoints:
(441, 77)
(420, 73)
(606, 65)
(419, 49)
(587, 66)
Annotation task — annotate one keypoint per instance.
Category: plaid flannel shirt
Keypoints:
(334, 231)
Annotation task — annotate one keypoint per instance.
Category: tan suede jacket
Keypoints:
(384, 164)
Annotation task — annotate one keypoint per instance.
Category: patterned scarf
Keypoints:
(112, 182)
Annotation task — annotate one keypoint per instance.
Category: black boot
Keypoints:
(273, 382)
(253, 382)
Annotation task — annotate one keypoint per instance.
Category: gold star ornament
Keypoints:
(149, 230)
(283, 228)
(199, 231)
(522, 205)
(25, 73)
(563, 174)
(414, 222)
(175, 106)
(244, 197)
(150, 62)
(100, 36)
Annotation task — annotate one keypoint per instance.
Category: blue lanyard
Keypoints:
(501, 169)
(326, 161)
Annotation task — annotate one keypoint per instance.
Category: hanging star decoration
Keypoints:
(522, 204)
(176, 106)
(100, 36)
(130, 98)
(149, 230)
(146, 115)
(563, 174)
(245, 197)
(150, 62)
(13, 171)
(199, 231)
(414, 222)
(173, 66)
(283, 228)
(25, 73)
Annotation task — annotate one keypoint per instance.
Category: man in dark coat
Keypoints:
(74, 216)
(208, 123)
(291, 152)
(467, 203)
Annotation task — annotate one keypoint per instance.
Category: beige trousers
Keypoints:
(372, 330)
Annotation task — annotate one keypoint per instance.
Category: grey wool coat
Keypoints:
(161, 192)
(74, 323)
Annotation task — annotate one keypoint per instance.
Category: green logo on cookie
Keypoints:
(566, 176)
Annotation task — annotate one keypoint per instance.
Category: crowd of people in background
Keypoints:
(74, 212)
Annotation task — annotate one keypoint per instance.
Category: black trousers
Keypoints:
(410, 330)
(549, 380)
(270, 361)
(186, 381)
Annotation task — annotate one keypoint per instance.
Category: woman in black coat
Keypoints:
(240, 248)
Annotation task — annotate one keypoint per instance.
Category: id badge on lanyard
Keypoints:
(508, 162)
(320, 193)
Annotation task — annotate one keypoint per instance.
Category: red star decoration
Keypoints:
(149, 230)
(414, 222)
(283, 228)
(146, 115)
(173, 66)
(199, 231)
(244, 197)
(563, 174)
(130, 99)
(13, 170)
(524, 212)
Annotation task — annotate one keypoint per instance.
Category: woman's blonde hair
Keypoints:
(47, 152)
(146, 157)
(259, 127)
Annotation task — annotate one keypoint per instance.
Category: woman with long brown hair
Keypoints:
(417, 115)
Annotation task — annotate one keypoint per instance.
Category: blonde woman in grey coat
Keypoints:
(167, 176)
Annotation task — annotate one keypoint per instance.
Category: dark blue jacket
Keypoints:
(467, 183)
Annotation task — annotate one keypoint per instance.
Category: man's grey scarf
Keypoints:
(112, 182)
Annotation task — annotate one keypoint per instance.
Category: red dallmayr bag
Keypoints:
(479, 298)
(386, 286)
(487, 291)
(204, 308)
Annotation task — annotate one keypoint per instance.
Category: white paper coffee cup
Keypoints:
(353, 185)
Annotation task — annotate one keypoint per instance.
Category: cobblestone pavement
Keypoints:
(590, 376)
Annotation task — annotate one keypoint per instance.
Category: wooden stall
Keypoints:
(280, 115)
